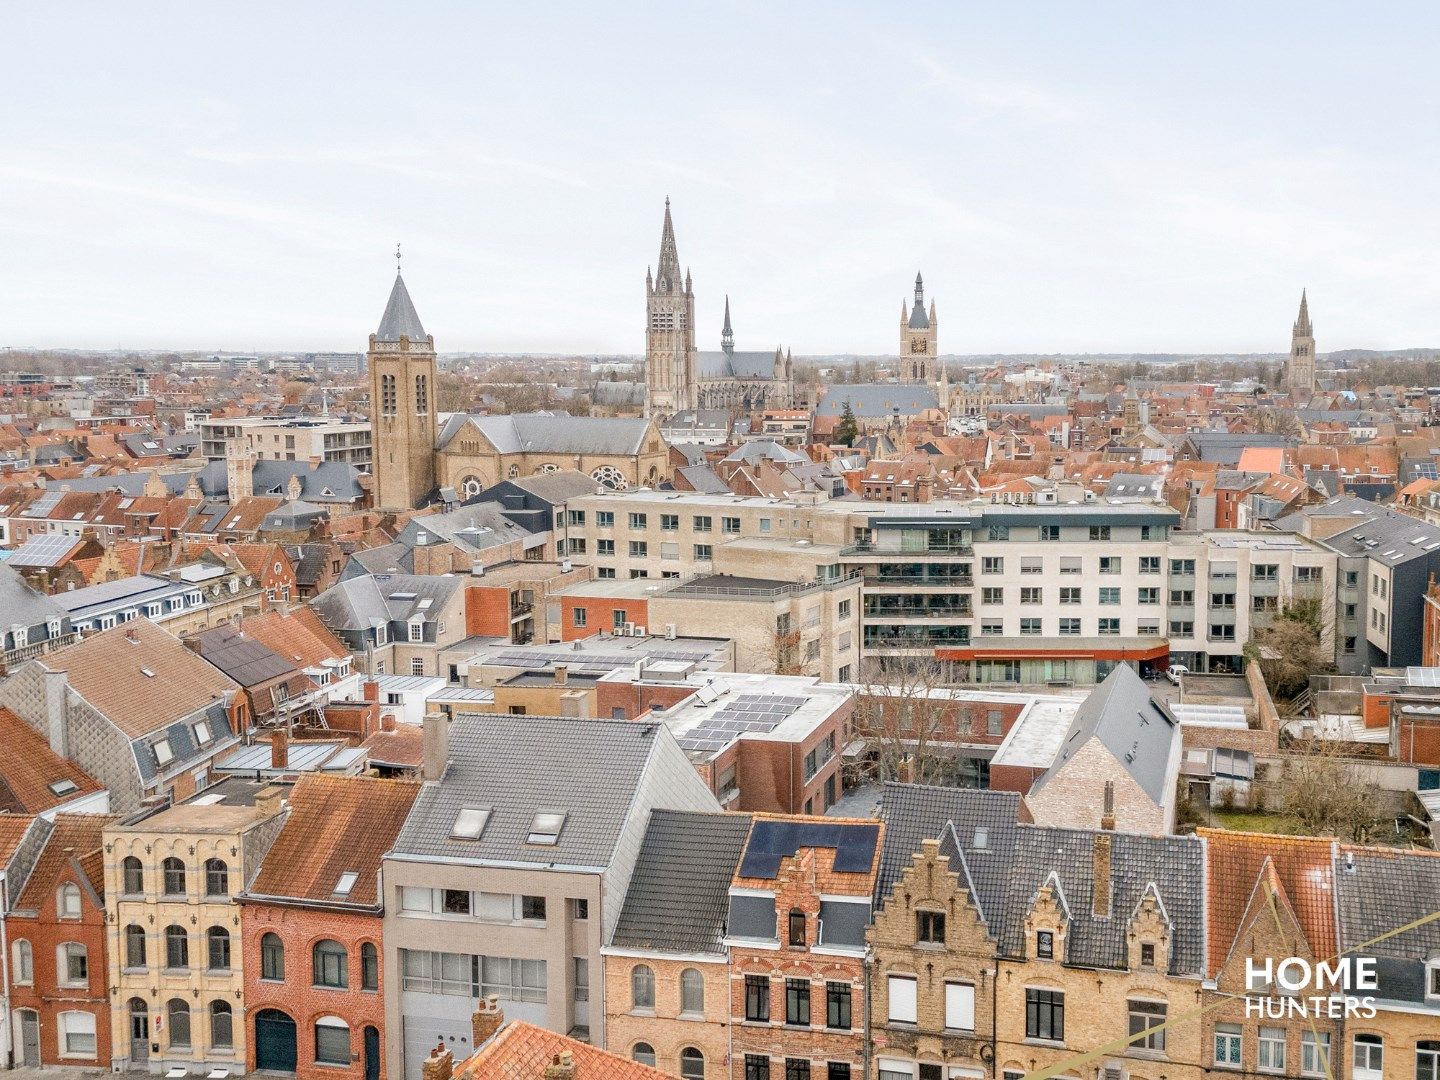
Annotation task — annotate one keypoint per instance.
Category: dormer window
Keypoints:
(545, 828)
(1147, 954)
(417, 631)
(1045, 945)
(163, 754)
(1432, 978)
(795, 932)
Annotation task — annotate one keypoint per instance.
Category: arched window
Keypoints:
(177, 1019)
(217, 878)
(422, 395)
(331, 967)
(173, 871)
(692, 1064)
(692, 991)
(67, 901)
(24, 962)
(387, 395)
(797, 927)
(642, 987)
(132, 876)
(644, 1053)
(272, 958)
(369, 967)
(77, 1034)
(72, 964)
(177, 948)
(217, 949)
(134, 946)
(222, 1025)
(332, 1041)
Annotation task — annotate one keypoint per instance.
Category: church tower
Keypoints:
(670, 382)
(1300, 368)
(401, 359)
(918, 337)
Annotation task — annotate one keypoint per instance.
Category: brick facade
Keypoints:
(664, 1027)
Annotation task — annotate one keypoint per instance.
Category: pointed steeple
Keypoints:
(919, 288)
(727, 335)
(1302, 322)
(667, 271)
(400, 317)
(918, 318)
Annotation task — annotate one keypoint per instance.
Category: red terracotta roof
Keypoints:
(1302, 867)
(30, 767)
(13, 828)
(77, 837)
(298, 636)
(521, 1051)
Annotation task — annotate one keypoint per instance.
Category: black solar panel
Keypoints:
(771, 841)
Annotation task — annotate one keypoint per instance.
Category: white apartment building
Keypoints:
(301, 438)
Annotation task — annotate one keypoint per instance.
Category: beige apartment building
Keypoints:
(175, 957)
(298, 438)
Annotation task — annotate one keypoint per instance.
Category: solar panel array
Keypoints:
(771, 841)
(1420, 676)
(43, 505)
(747, 713)
(44, 550)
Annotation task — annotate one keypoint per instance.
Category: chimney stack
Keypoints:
(57, 688)
(1107, 815)
(1102, 854)
(371, 691)
(435, 745)
(485, 1021)
(561, 1067)
(562, 673)
(438, 1065)
(280, 749)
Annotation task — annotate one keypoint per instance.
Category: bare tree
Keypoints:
(911, 726)
(1325, 792)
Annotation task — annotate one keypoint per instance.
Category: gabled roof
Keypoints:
(248, 661)
(1138, 730)
(24, 604)
(73, 839)
(140, 676)
(337, 825)
(558, 433)
(699, 849)
(521, 1051)
(297, 636)
(359, 603)
(1379, 890)
(518, 766)
(33, 778)
(1301, 865)
(914, 812)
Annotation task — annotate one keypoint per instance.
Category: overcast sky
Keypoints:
(1069, 177)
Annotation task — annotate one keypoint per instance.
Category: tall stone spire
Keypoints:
(1302, 322)
(727, 335)
(667, 272)
(400, 317)
(1300, 367)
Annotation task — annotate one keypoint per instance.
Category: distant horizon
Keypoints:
(1101, 177)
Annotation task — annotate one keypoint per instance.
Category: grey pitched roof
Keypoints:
(23, 604)
(517, 766)
(735, 365)
(556, 487)
(1134, 485)
(914, 812)
(1139, 731)
(1386, 890)
(918, 319)
(704, 479)
(400, 317)
(309, 561)
(1379, 532)
(766, 450)
(361, 602)
(473, 527)
(1226, 447)
(384, 559)
(244, 659)
(552, 433)
(878, 399)
(701, 850)
(1174, 865)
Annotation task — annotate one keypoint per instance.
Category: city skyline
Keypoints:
(1117, 180)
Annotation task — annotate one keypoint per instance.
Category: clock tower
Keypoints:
(918, 337)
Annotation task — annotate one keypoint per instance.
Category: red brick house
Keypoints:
(56, 930)
(311, 927)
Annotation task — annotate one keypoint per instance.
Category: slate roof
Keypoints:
(517, 766)
(247, 661)
(361, 602)
(735, 365)
(337, 825)
(704, 479)
(701, 850)
(914, 812)
(309, 561)
(23, 604)
(340, 479)
(556, 487)
(878, 399)
(30, 767)
(1138, 731)
(473, 527)
(1387, 889)
(552, 433)
(1226, 447)
(109, 671)
(400, 317)
(766, 450)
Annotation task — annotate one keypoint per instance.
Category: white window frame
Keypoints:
(64, 1030)
(959, 1003)
(901, 1007)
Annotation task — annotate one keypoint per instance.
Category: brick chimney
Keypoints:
(561, 1067)
(280, 749)
(435, 745)
(371, 690)
(438, 1065)
(485, 1021)
(562, 674)
(1103, 887)
(57, 690)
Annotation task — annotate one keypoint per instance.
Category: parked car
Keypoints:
(1176, 672)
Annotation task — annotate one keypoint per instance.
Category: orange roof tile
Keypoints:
(403, 746)
(75, 836)
(30, 767)
(13, 828)
(1301, 865)
(520, 1051)
(299, 636)
(337, 825)
(110, 669)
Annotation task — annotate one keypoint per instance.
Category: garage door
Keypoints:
(422, 1033)
(274, 1041)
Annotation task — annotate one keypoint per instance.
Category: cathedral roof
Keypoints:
(735, 364)
(400, 317)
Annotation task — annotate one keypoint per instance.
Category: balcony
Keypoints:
(905, 580)
(931, 547)
(897, 638)
(885, 607)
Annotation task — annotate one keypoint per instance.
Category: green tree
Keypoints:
(848, 429)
